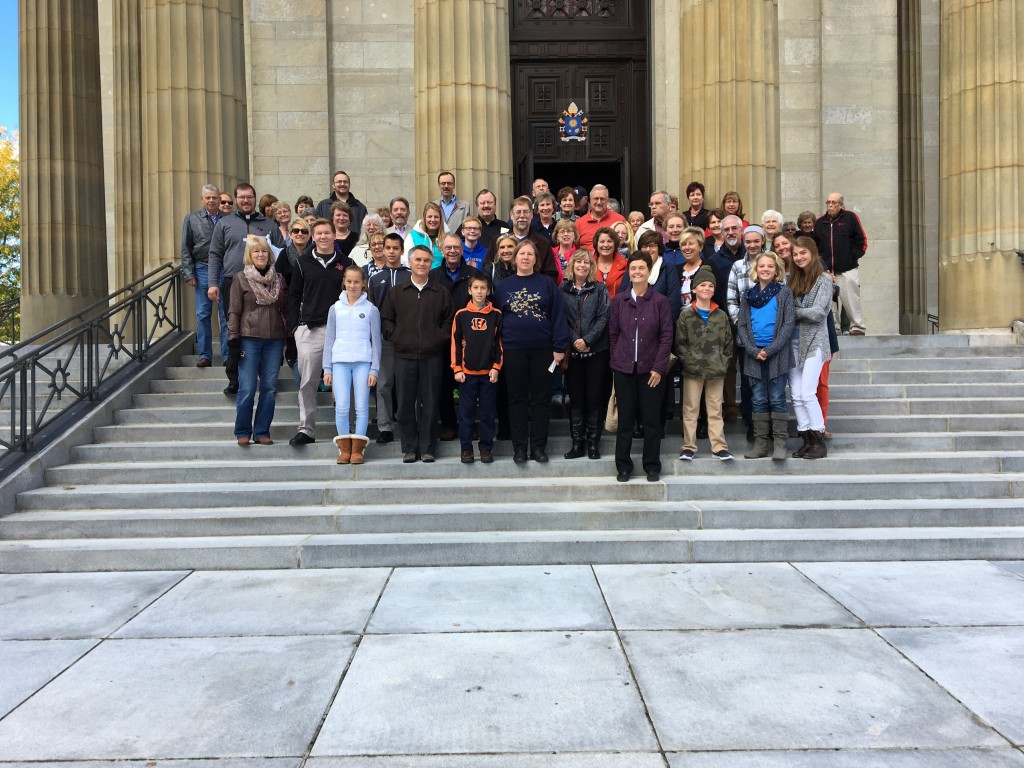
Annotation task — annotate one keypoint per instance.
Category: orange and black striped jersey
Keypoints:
(476, 340)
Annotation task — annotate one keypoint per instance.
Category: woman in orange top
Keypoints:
(611, 266)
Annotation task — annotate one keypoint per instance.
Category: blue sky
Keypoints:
(9, 63)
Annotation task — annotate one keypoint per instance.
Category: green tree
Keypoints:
(10, 232)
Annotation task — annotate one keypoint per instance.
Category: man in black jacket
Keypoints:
(841, 243)
(341, 184)
(417, 319)
(316, 284)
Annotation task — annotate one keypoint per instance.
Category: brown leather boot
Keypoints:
(358, 448)
(344, 444)
(817, 449)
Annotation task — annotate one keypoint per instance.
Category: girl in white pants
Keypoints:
(812, 292)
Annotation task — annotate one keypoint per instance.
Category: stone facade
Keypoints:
(392, 91)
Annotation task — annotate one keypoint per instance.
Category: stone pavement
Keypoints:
(824, 665)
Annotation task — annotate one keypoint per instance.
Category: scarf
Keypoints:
(757, 298)
(265, 287)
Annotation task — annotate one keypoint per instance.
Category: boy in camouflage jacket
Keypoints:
(704, 345)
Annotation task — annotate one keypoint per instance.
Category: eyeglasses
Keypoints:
(299, 231)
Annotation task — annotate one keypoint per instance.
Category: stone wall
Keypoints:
(839, 128)
(331, 89)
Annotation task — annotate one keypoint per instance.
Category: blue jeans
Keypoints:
(260, 358)
(768, 395)
(204, 308)
(349, 377)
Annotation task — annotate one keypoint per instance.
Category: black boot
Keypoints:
(576, 433)
(817, 449)
(595, 420)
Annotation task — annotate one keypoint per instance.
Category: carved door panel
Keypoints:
(592, 53)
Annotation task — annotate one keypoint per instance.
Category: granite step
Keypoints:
(521, 547)
(438, 518)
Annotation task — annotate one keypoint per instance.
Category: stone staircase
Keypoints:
(927, 462)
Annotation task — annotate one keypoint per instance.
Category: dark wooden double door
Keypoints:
(592, 53)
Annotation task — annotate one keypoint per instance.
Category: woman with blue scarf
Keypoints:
(764, 330)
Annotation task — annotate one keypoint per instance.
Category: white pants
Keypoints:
(803, 388)
(849, 299)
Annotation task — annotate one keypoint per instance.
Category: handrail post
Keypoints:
(23, 411)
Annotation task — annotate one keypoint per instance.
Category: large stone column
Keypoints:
(129, 248)
(729, 113)
(194, 124)
(62, 217)
(981, 166)
(463, 104)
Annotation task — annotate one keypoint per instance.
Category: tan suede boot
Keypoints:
(358, 448)
(344, 444)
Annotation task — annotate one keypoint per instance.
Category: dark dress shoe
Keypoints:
(202, 362)
(231, 390)
(385, 437)
(519, 457)
(622, 477)
(539, 456)
(301, 439)
(653, 477)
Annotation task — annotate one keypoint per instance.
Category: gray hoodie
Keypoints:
(227, 245)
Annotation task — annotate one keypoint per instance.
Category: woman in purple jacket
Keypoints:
(640, 333)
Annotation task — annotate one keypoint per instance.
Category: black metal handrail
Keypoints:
(100, 306)
(44, 386)
(9, 320)
(933, 324)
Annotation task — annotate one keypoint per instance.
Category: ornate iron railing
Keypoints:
(54, 377)
(9, 321)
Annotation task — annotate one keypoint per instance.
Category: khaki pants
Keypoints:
(849, 299)
(712, 389)
(309, 345)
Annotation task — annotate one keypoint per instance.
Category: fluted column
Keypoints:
(194, 124)
(63, 247)
(729, 113)
(463, 107)
(981, 166)
(129, 247)
(912, 264)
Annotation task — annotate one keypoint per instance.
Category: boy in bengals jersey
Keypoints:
(476, 361)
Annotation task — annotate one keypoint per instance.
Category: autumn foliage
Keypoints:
(10, 226)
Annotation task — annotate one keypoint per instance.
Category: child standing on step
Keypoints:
(812, 292)
(704, 346)
(352, 345)
(764, 330)
(476, 361)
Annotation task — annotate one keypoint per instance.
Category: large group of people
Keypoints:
(570, 300)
